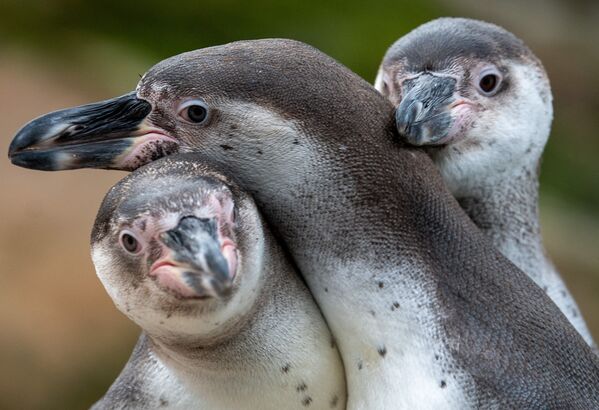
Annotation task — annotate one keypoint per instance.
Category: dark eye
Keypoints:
(130, 243)
(194, 111)
(489, 81)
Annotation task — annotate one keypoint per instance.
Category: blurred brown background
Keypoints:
(61, 340)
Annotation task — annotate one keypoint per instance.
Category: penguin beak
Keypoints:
(202, 268)
(424, 116)
(110, 134)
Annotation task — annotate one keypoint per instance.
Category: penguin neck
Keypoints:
(507, 212)
(368, 223)
(201, 354)
(388, 255)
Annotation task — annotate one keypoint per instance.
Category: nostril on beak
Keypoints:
(414, 112)
(408, 117)
(75, 128)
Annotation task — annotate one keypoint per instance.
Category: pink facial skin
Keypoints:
(462, 115)
(168, 277)
(153, 144)
(170, 274)
(229, 251)
(226, 217)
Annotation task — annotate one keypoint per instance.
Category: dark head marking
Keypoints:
(435, 45)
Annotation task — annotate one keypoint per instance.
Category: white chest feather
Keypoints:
(394, 358)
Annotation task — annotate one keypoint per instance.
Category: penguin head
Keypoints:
(258, 104)
(178, 248)
(472, 93)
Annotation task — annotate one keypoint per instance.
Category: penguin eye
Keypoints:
(488, 81)
(194, 111)
(130, 243)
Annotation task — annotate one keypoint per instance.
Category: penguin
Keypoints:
(480, 100)
(227, 322)
(425, 311)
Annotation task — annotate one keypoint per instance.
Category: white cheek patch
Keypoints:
(503, 139)
(107, 271)
(280, 142)
(462, 118)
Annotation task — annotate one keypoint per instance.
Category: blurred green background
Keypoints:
(61, 341)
